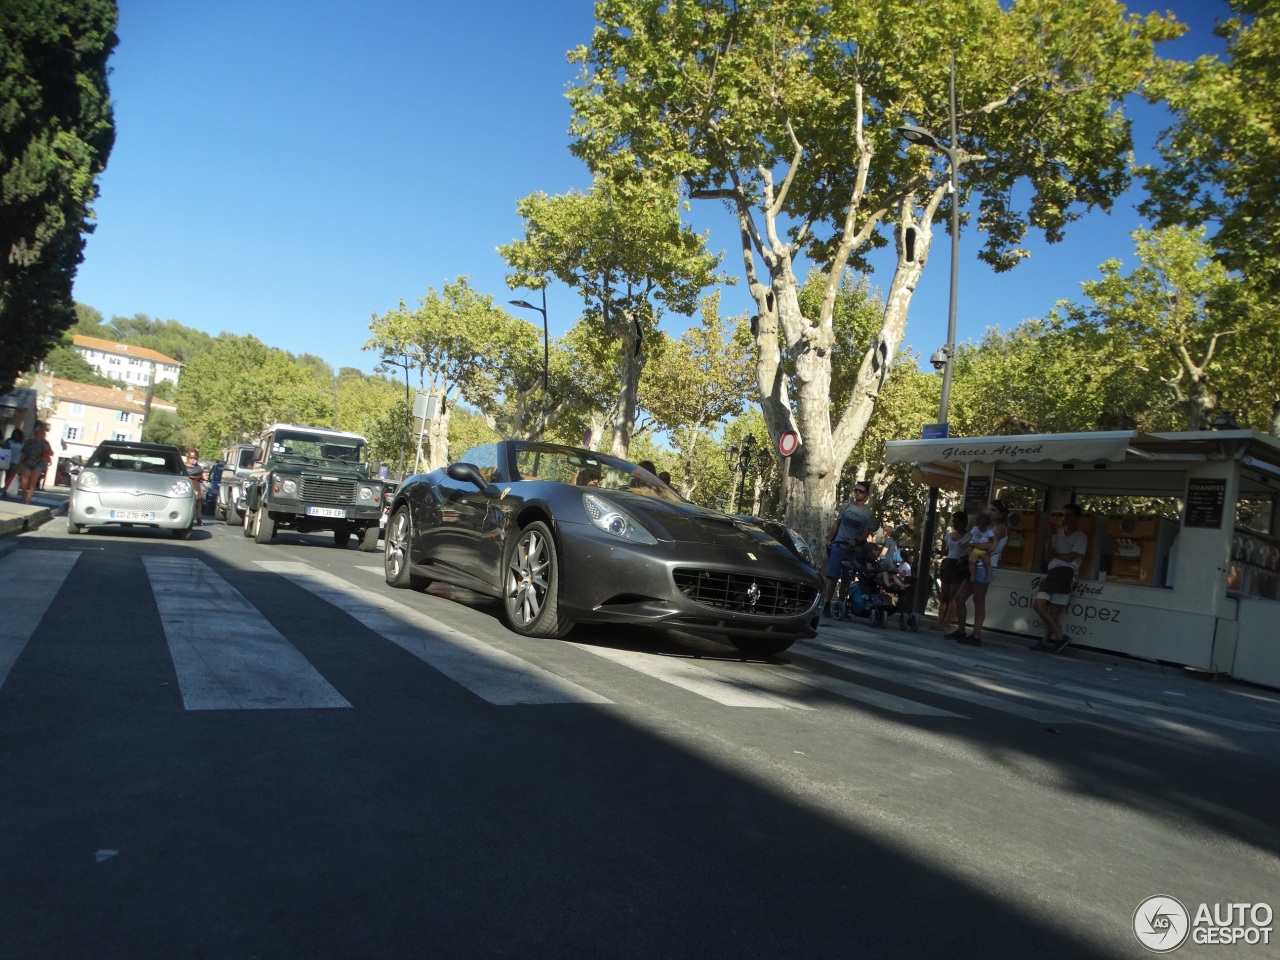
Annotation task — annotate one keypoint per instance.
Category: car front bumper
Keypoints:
(702, 588)
(93, 508)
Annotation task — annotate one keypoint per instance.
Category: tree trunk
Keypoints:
(622, 422)
(814, 470)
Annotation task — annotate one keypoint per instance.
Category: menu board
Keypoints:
(977, 494)
(1205, 498)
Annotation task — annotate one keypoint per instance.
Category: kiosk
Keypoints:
(1183, 563)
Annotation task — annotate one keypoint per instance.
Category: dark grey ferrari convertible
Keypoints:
(562, 536)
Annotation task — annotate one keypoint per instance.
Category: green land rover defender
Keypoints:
(310, 478)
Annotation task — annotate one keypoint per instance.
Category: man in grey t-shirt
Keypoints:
(854, 523)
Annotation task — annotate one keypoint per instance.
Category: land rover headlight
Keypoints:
(289, 487)
(368, 494)
(612, 519)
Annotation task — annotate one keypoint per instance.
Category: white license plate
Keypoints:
(132, 515)
(337, 512)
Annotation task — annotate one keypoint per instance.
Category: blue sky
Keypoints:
(288, 169)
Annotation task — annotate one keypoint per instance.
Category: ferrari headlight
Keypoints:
(612, 520)
(88, 480)
(802, 547)
(179, 487)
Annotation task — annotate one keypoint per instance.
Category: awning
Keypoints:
(1061, 447)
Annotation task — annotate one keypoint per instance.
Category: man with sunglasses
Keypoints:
(853, 524)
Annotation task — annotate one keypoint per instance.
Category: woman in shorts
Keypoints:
(955, 569)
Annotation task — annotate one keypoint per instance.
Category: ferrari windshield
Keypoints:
(584, 468)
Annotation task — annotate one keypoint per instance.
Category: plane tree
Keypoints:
(459, 343)
(624, 250)
(784, 112)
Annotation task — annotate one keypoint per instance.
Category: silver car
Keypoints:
(133, 484)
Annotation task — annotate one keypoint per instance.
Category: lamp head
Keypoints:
(918, 135)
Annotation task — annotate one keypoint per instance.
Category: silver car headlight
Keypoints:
(289, 487)
(179, 487)
(368, 494)
(613, 520)
(88, 480)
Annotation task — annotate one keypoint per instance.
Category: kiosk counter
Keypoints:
(1196, 583)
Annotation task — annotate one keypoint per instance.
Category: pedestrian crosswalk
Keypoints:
(228, 655)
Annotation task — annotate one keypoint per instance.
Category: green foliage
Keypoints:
(459, 342)
(623, 248)
(56, 132)
(168, 337)
(62, 361)
(467, 429)
(164, 427)
(241, 386)
(1222, 155)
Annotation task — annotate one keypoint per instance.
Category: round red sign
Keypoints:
(788, 442)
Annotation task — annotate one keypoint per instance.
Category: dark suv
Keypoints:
(308, 479)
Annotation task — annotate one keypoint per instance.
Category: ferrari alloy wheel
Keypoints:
(396, 563)
(531, 584)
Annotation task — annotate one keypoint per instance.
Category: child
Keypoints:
(981, 540)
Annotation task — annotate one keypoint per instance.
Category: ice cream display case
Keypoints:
(1020, 550)
(1138, 548)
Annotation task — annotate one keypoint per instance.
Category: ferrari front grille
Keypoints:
(315, 490)
(762, 596)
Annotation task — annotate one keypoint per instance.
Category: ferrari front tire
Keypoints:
(397, 564)
(531, 584)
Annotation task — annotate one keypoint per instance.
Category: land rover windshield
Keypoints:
(304, 447)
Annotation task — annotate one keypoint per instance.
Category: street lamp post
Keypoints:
(743, 453)
(546, 351)
(946, 355)
(403, 361)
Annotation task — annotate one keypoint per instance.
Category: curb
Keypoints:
(11, 526)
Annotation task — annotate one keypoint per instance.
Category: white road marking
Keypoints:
(839, 655)
(226, 653)
(875, 698)
(29, 580)
(494, 675)
(688, 676)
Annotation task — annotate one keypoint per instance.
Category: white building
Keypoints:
(80, 416)
(136, 366)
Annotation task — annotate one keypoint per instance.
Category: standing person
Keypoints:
(978, 590)
(195, 473)
(1065, 549)
(14, 446)
(955, 569)
(854, 522)
(36, 454)
(981, 540)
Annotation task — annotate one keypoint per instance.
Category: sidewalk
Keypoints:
(17, 517)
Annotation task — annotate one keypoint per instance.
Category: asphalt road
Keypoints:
(215, 749)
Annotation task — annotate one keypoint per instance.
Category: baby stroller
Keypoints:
(889, 594)
(892, 600)
(860, 594)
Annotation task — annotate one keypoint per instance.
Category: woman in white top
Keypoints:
(997, 510)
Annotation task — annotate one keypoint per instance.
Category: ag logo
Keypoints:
(1161, 924)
